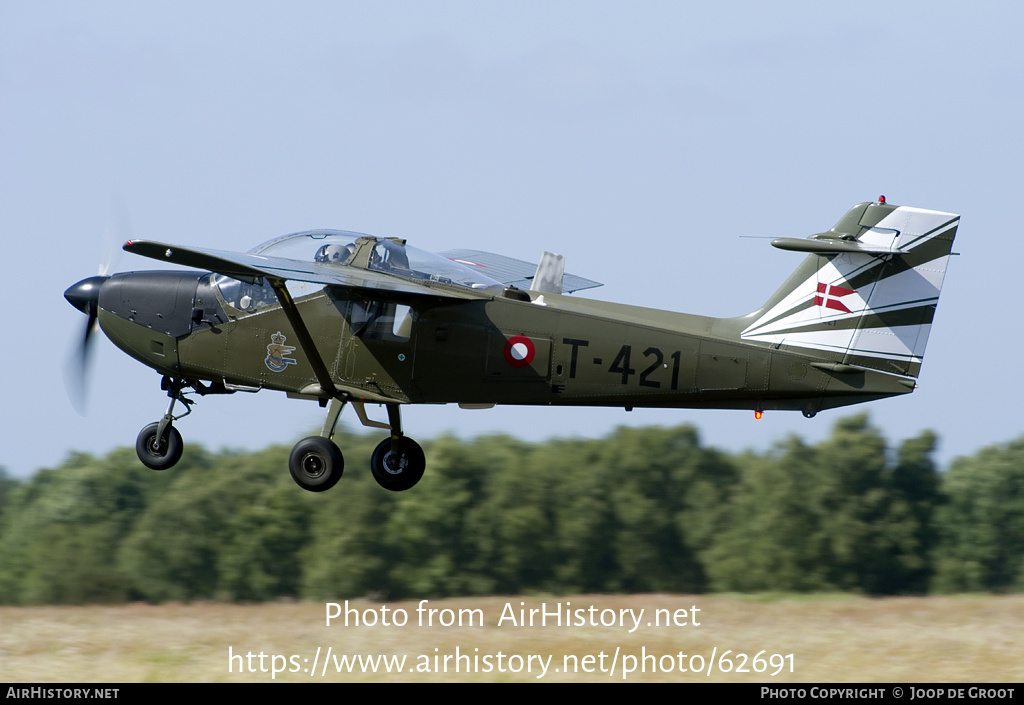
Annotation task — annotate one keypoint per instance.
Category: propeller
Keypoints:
(85, 296)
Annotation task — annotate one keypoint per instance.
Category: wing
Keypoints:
(249, 267)
(511, 271)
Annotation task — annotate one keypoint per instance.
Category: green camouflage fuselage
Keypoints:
(577, 352)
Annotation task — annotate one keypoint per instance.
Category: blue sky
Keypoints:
(641, 140)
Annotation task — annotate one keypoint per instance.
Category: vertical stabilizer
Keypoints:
(866, 295)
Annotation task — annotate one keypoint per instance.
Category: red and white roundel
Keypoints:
(519, 351)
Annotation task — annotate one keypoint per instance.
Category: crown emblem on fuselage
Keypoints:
(276, 352)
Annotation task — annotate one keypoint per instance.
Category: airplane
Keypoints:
(344, 318)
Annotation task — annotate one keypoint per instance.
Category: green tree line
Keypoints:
(641, 510)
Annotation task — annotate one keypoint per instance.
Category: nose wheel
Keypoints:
(159, 451)
(159, 445)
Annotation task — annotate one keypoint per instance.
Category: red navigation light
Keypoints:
(881, 199)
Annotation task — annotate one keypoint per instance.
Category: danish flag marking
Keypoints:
(829, 295)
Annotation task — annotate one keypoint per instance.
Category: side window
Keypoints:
(380, 320)
(402, 329)
(245, 297)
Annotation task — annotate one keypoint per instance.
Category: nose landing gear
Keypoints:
(159, 450)
(159, 445)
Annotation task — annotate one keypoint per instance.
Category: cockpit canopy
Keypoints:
(343, 248)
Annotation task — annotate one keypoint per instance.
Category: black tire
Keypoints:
(401, 473)
(316, 464)
(159, 455)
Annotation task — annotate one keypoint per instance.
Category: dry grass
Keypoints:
(832, 639)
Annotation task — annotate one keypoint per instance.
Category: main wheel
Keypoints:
(159, 453)
(398, 471)
(316, 464)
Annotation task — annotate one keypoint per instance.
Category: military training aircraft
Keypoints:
(344, 318)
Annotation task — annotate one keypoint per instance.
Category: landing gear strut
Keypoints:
(159, 445)
(316, 462)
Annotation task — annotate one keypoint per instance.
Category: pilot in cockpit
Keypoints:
(334, 254)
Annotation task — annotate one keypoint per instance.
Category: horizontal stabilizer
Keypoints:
(833, 246)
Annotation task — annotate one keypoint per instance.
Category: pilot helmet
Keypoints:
(334, 253)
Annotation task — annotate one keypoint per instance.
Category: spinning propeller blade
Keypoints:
(84, 296)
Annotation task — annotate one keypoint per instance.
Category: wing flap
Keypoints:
(550, 274)
(511, 271)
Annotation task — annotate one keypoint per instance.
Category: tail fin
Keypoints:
(867, 293)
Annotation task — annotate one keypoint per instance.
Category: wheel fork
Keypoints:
(174, 389)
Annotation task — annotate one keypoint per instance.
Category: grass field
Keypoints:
(830, 639)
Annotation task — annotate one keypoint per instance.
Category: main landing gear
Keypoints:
(316, 463)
